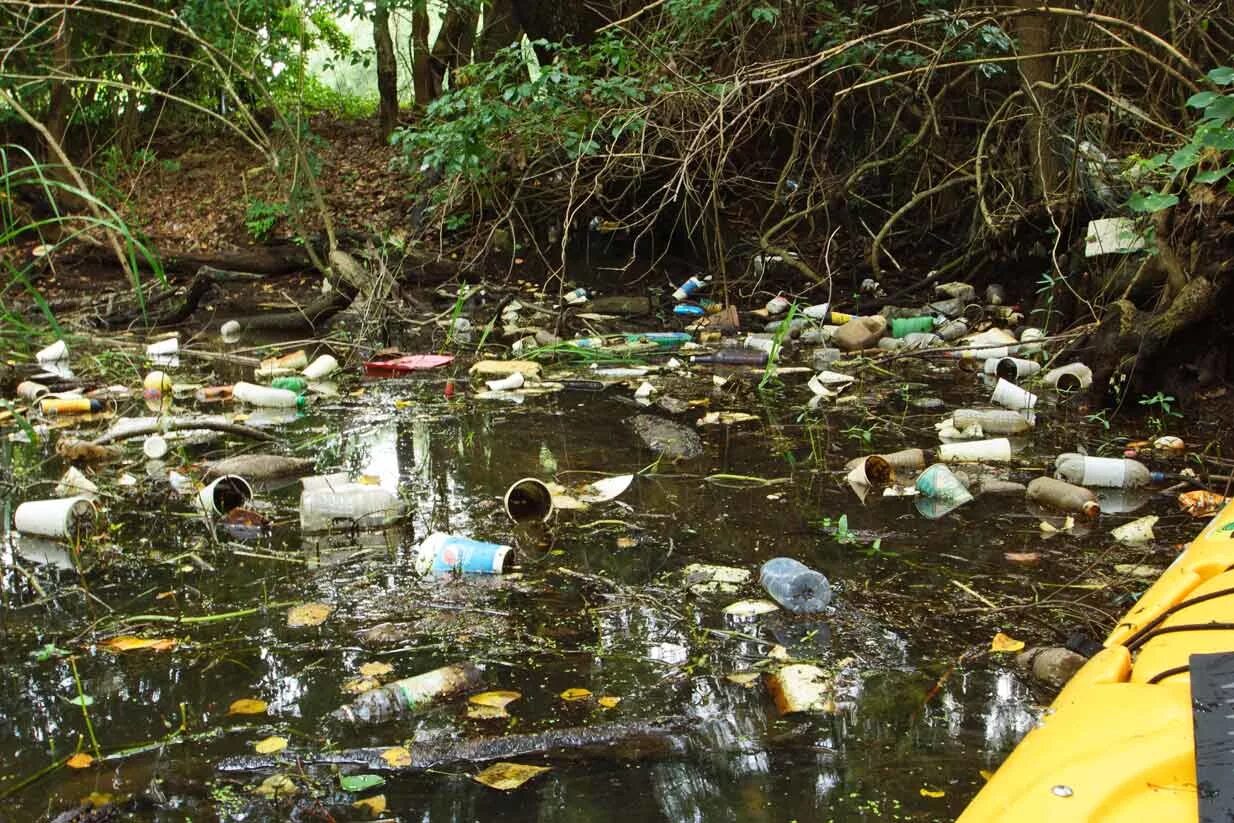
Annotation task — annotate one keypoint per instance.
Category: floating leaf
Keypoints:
(508, 776)
(47, 652)
(248, 705)
(376, 669)
(1023, 558)
(746, 680)
(750, 608)
(608, 701)
(270, 745)
(308, 614)
(81, 760)
(360, 685)
(97, 800)
(610, 488)
(132, 644)
(80, 700)
(496, 699)
(374, 805)
(276, 786)
(397, 756)
(486, 713)
(1005, 643)
(575, 695)
(360, 782)
(932, 793)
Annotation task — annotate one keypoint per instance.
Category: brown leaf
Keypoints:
(270, 745)
(248, 705)
(375, 669)
(81, 760)
(308, 614)
(132, 644)
(508, 776)
(374, 805)
(397, 756)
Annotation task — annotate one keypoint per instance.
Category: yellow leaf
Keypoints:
(375, 669)
(81, 760)
(1005, 643)
(608, 701)
(574, 695)
(486, 712)
(496, 699)
(247, 705)
(270, 745)
(97, 800)
(308, 614)
(932, 793)
(360, 685)
(507, 776)
(132, 644)
(744, 679)
(397, 757)
(986, 774)
(374, 805)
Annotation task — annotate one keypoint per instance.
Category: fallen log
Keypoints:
(632, 740)
(183, 424)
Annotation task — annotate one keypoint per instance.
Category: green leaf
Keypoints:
(1221, 109)
(1150, 201)
(1222, 76)
(80, 700)
(1186, 157)
(1201, 100)
(48, 652)
(360, 782)
(1217, 138)
(1212, 176)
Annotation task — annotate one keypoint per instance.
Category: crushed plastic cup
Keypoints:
(939, 492)
(55, 353)
(30, 391)
(224, 494)
(1011, 396)
(528, 500)
(1071, 378)
(75, 484)
(507, 383)
(58, 517)
(164, 352)
(320, 367)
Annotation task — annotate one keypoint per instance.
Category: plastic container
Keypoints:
(1063, 496)
(1108, 472)
(940, 491)
(576, 297)
(738, 356)
(156, 384)
(442, 553)
(348, 506)
(997, 450)
(992, 421)
(58, 517)
(69, 405)
(818, 311)
(267, 396)
(324, 364)
(904, 326)
(405, 696)
(30, 391)
(951, 330)
(1011, 396)
(528, 499)
(860, 333)
(778, 305)
(689, 287)
(224, 494)
(1070, 378)
(794, 585)
(1012, 369)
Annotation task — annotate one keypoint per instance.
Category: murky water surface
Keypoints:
(596, 604)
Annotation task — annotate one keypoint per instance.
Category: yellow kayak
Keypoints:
(1118, 744)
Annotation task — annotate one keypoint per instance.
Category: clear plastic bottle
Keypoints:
(951, 330)
(267, 396)
(405, 696)
(1063, 496)
(346, 506)
(794, 585)
(1109, 472)
(740, 356)
(991, 421)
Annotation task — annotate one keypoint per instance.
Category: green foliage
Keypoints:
(1162, 409)
(1205, 157)
(261, 216)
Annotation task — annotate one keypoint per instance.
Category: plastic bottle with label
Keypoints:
(267, 396)
(794, 585)
(409, 694)
(1063, 496)
(347, 506)
(686, 289)
(1109, 472)
(992, 421)
(738, 356)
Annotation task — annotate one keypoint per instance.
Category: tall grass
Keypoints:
(20, 170)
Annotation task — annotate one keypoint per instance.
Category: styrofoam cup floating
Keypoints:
(154, 447)
(225, 494)
(528, 499)
(76, 484)
(164, 351)
(1011, 396)
(54, 353)
(59, 517)
(320, 367)
(508, 383)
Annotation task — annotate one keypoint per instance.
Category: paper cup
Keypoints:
(163, 350)
(1014, 368)
(528, 500)
(61, 517)
(1011, 396)
(225, 494)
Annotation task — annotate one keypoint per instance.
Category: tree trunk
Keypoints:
(420, 72)
(60, 104)
(501, 29)
(387, 72)
(453, 46)
(1032, 31)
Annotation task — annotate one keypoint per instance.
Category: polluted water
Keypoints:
(258, 599)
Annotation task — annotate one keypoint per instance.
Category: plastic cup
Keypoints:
(528, 500)
(30, 391)
(154, 447)
(59, 517)
(225, 494)
(1011, 396)
(54, 353)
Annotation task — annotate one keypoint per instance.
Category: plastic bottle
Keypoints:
(688, 310)
(777, 305)
(1057, 494)
(740, 356)
(824, 357)
(860, 333)
(1070, 378)
(442, 553)
(407, 695)
(794, 585)
(576, 297)
(818, 311)
(352, 505)
(319, 368)
(1109, 472)
(69, 405)
(297, 384)
(1028, 340)
(904, 326)
(231, 331)
(991, 421)
(952, 329)
(267, 396)
(976, 451)
(689, 287)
